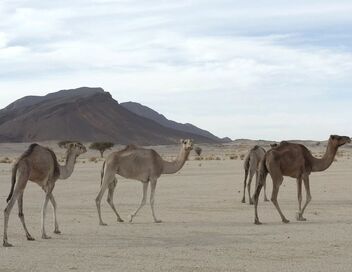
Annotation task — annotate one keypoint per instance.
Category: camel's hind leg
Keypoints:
(19, 188)
(110, 198)
(152, 199)
(251, 174)
(143, 202)
(21, 216)
(244, 186)
(277, 181)
(265, 197)
(107, 180)
(53, 203)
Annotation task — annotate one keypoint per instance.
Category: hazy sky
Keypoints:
(244, 69)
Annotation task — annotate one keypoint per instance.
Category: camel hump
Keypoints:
(255, 147)
(28, 151)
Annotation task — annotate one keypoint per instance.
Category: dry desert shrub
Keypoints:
(242, 157)
(6, 160)
(233, 157)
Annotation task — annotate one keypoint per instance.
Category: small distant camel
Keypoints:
(296, 161)
(145, 165)
(39, 164)
(251, 167)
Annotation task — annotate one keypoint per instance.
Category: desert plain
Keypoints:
(205, 226)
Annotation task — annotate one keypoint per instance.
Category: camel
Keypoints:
(251, 167)
(145, 165)
(39, 164)
(296, 161)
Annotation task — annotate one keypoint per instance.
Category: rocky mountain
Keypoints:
(85, 114)
(151, 114)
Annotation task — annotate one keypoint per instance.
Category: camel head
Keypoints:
(187, 144)
(76, 148)
(273, 145)
(337, 140)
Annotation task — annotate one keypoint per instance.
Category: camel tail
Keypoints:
(102, 174)
(13, 181)
(263, 171)
(246, 166)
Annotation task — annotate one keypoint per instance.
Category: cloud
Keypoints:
(206, 62)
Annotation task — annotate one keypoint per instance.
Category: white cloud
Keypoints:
(210, 63)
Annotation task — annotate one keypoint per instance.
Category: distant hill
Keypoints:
(151, 114)
(85, 114)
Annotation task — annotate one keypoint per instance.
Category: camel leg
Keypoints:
(244, 186)
(45, 204)
(308, 195)
(251, 174)
(143, 202)
(265, 197)
(108, 178)
(110, 199)
(53, 203)
(255, 199)
(152, 194)
(299, 216)
(7, 212)
(274, 194)
(21, 216)
(19, 188)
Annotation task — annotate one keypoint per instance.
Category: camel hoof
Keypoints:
(7, 244)
(120, 220)
(103, 224)
(266, 200)
(57, 232)
(299, 217)
(30, 238)
(251, 203)
(131, 219)
(285, 221)
(158, 221)
(243, 201)
(257, 222)
(46, 237)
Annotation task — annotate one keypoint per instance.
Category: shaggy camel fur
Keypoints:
(141, 164)
(251, 167)
(39, 164)
(296, 161)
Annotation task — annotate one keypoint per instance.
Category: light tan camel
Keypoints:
(39, 164)
(141, 164)
(296, 161)
(251, 167)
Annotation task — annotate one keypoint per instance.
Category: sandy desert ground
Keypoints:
(205, 226)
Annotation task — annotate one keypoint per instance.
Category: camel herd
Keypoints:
(39, 164)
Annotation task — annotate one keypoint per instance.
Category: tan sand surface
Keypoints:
(205, 226)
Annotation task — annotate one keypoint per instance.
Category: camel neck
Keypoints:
(176, 165)
(67, 169)
(325, 162)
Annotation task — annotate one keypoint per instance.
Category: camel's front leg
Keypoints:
(299, 216)
(53, 203)
(45, 204)
(144, 200)
(308, 195)
(152, 194)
